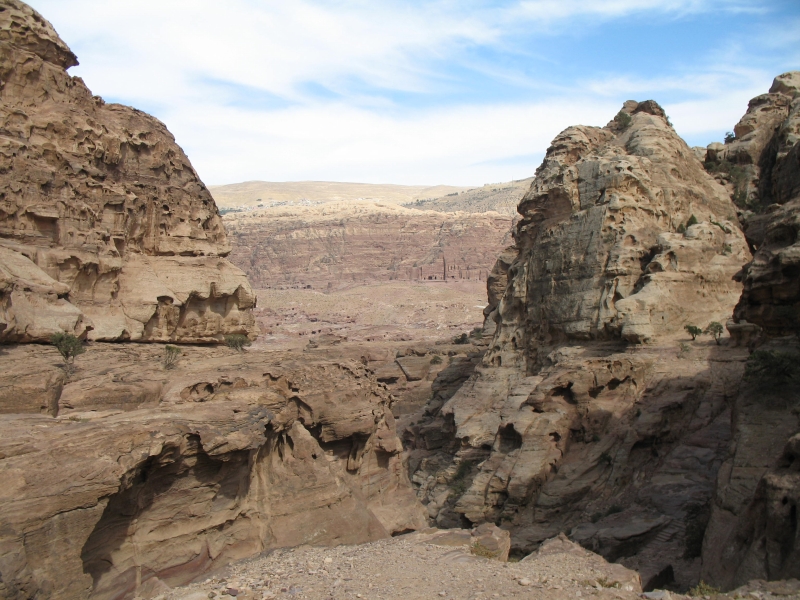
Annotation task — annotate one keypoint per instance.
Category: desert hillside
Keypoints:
(252, 194)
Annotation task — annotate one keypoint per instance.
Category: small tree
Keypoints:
(237, 341)
(730, 137)
(716, 329)
(692, 221)
(68, 347)
(461, 339)
(693, 330)
(171, 354)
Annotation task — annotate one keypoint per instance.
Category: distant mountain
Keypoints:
(251, 194)
(500, 197)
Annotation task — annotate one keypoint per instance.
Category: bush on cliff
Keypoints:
(715, 329)
(237, 341)
(693, 330)
(68, 347)
(622, 119)
(171, 354)
(772, 369)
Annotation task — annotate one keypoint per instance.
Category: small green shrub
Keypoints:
(237, 341)
(437, 360)
(703, 589)
(720, 225)
(738, 177)
(693, 330)
(623, 119)
(479, 549)
(692, 221)
(68, 347)
(607, 583)
(461, 339)
(477, 333)
(681, 228)
(730, 137)
(716, 330)
(171, 354)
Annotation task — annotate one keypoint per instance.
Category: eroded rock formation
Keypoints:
(105, 229)
(147, 477)
(341, 243)
(592, 412)
(754, 531)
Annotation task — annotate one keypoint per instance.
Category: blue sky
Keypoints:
(458, 92)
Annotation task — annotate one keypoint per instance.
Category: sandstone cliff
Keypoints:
(592, 412)
(127, 478)
(105, 229)
(754, 532)
(341, 243)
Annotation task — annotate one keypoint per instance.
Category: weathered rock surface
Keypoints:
(754, 532)
(105, 229)
(146, 478)
(342, 243)
(592, 413)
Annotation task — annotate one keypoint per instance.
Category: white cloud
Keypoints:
(350, 144)
(239, 82)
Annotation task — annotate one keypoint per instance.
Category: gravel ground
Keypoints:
(407, 568)
(417, 567)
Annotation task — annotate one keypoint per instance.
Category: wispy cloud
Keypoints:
(413, 92)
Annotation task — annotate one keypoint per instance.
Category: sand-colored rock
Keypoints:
(753, 532)
(346, 243)
(147, 475)
(105, 229)
(586, 414)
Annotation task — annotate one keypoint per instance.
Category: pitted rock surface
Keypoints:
(592, 412)
(106, 231)
(753, 531)
(126, 477)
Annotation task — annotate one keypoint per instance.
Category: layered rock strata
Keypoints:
(146, 477)
(343, 243)
(106, 231)
(754, 531)
(592, 412)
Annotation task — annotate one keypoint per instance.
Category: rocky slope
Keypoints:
(128, 477)
(591, 411)
(341, 243)
(754, 531)
(105, 229)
